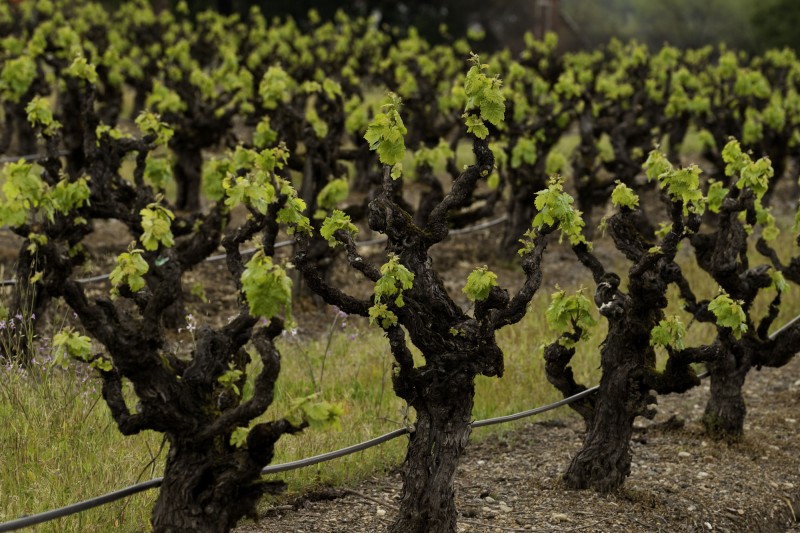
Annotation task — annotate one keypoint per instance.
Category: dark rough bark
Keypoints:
(76, 132)
(17, 121)
(431, 195)
(521, 208)
(603, 462)
(725, 411)
(188, 174)
(456, 347)
(208, 488)
(627, 358)
(209, 483)
(440, 436)
(723, 254)
(557, 357)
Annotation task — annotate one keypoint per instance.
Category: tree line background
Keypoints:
(741, 24)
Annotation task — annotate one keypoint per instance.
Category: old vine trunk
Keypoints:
(605, 459)
(441, 434)
(725, 411)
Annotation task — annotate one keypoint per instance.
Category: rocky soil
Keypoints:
(680, 480)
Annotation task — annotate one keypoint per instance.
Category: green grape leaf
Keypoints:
(524, 152)
(129, 270)
(164, 100)
(381, 315)
(484, 94)
(729, 314)
(253, 190)
(266, 287)
(319, 126)
(555, 163)
(150, 123)
(756, 176)
(102, 364)
(276, 87)
(479, 284)
(239, 437)
(684, 185)
(716, 195)
(395, 279)
(158, 171)
(656, 165)
(230, 378)
(385, 133)
(431, 156)
(16, 77)
(111, 132)
(476, 126)
(336, 221)
(40, 114)
(735, 160)
(778, 281)
(292, 215)
(567, 311)
(69, 343)
(769, 229)
(318, 414)
(264, 135)
(555, 208)
(332, 194)
(156, 223)
(623, 196)
(668, 332)
(68, 195)
(80, 68)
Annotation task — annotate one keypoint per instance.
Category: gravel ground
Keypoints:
(680, 480)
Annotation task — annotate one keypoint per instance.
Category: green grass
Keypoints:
(61, 446)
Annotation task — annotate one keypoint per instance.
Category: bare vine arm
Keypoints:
(531, 265)
(462, 189)
(330, 294)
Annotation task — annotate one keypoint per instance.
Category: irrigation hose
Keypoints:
(27, 521)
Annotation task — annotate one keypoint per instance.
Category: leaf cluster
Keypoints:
(385, 134)
(156, 223)
(669, 332)
(337, 220)
(729, 314)
(567, 312)
(266, 287)
(479, 284)
(556, 208)
(484, 99)
(129, 270)
(395, 278)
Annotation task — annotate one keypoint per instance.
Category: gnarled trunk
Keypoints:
(605, 459)
(187, 481)
(188, 175)
(204, 490)
(725, 411)
(441, 434)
